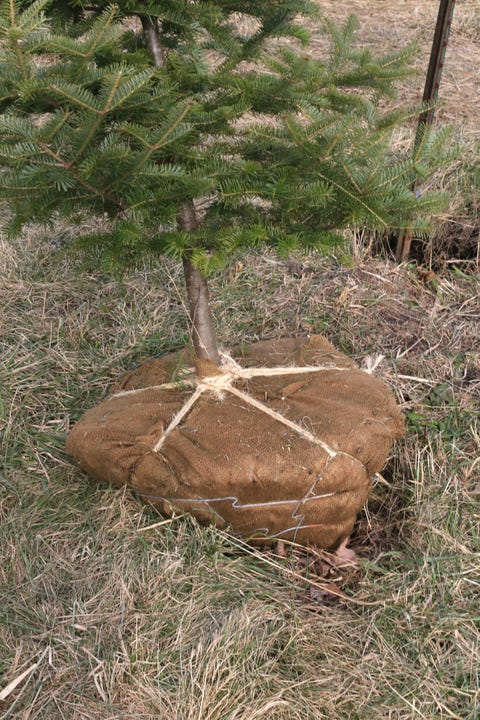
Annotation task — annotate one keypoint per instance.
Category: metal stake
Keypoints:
(430, 94)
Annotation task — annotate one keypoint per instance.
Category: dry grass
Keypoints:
(390, 25)
(108, 612)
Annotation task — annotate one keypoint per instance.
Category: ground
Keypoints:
(108, 611)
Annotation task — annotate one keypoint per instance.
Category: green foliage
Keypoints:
(271, 144)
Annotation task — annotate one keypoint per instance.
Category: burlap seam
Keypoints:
(296, 515)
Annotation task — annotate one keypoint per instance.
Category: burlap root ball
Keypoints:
(240, 465)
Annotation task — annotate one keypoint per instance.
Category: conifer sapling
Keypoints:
(194, 129)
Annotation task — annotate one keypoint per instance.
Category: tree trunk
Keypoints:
(152, 39)
(202, 328)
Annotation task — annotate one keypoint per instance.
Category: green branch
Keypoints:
(68, 167)
(16, 44)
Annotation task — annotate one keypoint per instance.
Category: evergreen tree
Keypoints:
(194, 128)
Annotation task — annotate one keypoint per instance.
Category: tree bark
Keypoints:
(152, 39)
(202, 327)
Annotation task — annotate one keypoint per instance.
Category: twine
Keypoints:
(221, 383)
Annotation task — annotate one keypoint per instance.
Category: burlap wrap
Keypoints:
(238, 465)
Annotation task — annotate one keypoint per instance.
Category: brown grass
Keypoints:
(107, 611)
(390, 25)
